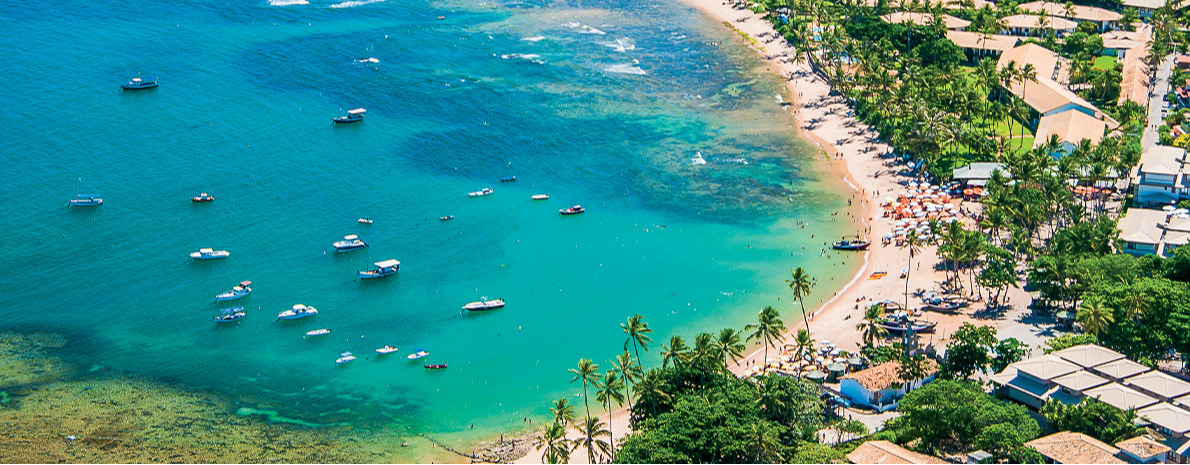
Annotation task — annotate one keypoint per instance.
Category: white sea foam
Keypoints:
(533, 57)
(585, 29)
(369, 60)
(573, 24)
(288, 2)
(354, 3)
(533, 39)
(625, 69)
(621, 45)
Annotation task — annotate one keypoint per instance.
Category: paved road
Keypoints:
(1156, 97)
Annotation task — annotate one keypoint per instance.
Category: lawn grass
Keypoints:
(1020, 144)
(1105, 62)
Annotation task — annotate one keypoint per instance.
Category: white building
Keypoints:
(1148, 232)
(1160, 176)
(880, 387)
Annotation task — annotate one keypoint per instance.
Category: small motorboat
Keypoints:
(446, 218)
(352, 116)
(541, 197)
(203, 197)
(365, 220)
(944, 305)
(209, 254)
(508, 179)
(318, 332)
(139, 84)
(229, 315)
(481, 193)
(383, 268)
(572, 210)
(438, 366)
(850, 245)
(420, 353)
(901, 324)
(386, 350)
(86, 200)
(237, 292)
(349, 243)
(345, 357)
(298, 311)
(484, 305)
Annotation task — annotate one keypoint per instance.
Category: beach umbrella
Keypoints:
(834, 352)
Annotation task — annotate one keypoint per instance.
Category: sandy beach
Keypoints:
(854, 157)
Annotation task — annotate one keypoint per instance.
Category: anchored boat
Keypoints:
(203, 197)
(139, 84)
(572, 210)
(349, 243)
(237, 292)
(353, 116)
(86, 200)
(229, 315)
(209, 254)
(345, 357)
(484, 305)
(298, 311)
(420, 353)
(384, 268)
(386, 350)
(482, 193)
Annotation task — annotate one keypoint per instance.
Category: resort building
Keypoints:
(978, 174)
(1149, 232)
(1045, 96)
(1037, 26)
(946, 4)
(1144, 8)
(1068, 447)
(880, 387)
(1160, 177)
(925, 19)
(1104, 19)
(1160, 399)
(1071, 128)
(884, 452)
(977, 45)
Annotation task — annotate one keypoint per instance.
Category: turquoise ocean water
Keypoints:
(601, 103)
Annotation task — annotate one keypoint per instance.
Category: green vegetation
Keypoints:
(1105, 63)
(958, 417)
(1093, 418)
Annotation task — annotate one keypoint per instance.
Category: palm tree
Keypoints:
(871, 331)
(730, 346)
(629, 370)
(803, 343)
(563, 412)
(913, 243)
(587, 371)
(800, 283)
(612, 390)
(638, 333)
(677, 352)
(769, 327)
(590, 438)
(557, 447)
(766, 446)
(1095, 315)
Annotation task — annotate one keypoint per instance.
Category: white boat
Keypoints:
(298, 311)
(384, 268)
(386, 350)
(139, 84)
(541, 197)
(353, 116)
(318, 332)
(86, 200)
(209, 254)
(486, 191)
(484, 304)
(229, 315)
(237, 292)
(365, 220)
(419, 354)
(345, 357)
(572, 210)
(349, 243)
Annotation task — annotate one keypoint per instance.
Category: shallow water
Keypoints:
(598, 103)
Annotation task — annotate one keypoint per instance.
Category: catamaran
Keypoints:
(349, 243)
(353, 116)
(383, 268)
(139, 84)
(484, 304)
(298, 311)
(237, 292)
(209, 254)
(86, 200)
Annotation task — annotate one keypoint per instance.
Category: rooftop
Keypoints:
(1070, 126)
(1123, 368)
(883, 376)
(1147, 4)
(1080, 381)
(1167, 416)
(1036, 22)
(1068, 447)
(1122, 397)
(1089, 355)
(884, 452)
(1046, 367)
(1143, 447)
(925, 19)
(978, 171)
(1161, 384)
(1081, 12)
(977, 41)
(1162, 159)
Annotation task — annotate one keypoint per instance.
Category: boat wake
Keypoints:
(368, 60)
(288, 2)
(625, 69)
(533, 39)
(621, 45)
(354, 3)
